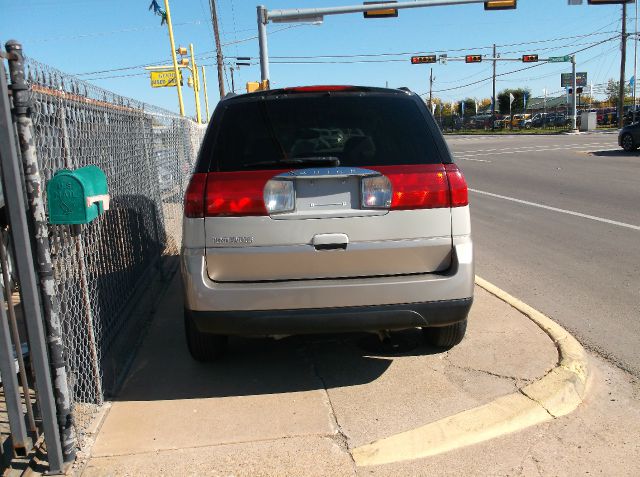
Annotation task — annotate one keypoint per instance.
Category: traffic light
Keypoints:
(529, 58)
(473, 59)
(418, 60)
(183, 62)
(500, 5)
(182, 51)
(386, 13)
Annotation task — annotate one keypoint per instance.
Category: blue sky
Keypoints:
(84, 36)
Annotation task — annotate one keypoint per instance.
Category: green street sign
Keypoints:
(559, 59)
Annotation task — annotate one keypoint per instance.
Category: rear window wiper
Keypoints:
(326, 161)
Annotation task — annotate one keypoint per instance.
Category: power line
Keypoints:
(518, 70)
(210, 53)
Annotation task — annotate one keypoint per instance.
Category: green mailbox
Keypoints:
(77, 197)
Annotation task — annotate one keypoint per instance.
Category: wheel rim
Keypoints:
(627, 142)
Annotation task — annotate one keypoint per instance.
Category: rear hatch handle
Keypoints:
(330, 241)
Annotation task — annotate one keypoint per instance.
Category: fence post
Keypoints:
(50, 306)
(13, 194)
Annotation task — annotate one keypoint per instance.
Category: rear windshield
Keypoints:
(357, 130)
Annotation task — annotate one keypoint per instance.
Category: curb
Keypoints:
(556, 394)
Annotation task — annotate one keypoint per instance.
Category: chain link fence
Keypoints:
(104, 269)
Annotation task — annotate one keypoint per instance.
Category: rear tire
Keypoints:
(203, 347)
(628, 144)
(445, 336)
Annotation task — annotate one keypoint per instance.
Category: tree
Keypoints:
(518, 103)
(613, 91)
(469, 107)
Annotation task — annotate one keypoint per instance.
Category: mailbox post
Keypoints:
(75, 198)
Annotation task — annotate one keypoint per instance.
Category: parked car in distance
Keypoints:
(480, 121)
(286, 232)
(518, 118)
(503, 122)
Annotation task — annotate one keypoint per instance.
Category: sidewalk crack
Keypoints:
(340, 437)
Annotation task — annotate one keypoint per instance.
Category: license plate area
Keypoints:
(324, 197)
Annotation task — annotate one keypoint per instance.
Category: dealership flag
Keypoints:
(511, 99)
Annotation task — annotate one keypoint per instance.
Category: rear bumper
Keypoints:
(332, 320)
(202, 294)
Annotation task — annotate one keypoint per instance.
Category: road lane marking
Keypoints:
(462, 158)
(556, 209)
(563, 148)
(518, 148)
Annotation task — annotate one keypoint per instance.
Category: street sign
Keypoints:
(164, 79)
(559, 59)
(566, 80)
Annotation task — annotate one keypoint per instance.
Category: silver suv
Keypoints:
(325, 209)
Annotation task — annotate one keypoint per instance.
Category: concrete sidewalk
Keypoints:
(298, 406)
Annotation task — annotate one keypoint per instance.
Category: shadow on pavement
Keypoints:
(615, 153)
(164, 370)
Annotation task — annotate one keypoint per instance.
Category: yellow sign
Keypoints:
(164, 79)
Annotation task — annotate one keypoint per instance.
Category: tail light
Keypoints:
(236, 193)
(255, 193)
(417, 187)
(457, 186)
(194, 196)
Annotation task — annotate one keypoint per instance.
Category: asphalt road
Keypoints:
(556, 222)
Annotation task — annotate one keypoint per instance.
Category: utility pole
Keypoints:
(206, 95)
(635, 63)
(216, 33)
(233, 81)
(430, 89)
(623, 60)
(176, 70)
(493, 102)
(574, 83)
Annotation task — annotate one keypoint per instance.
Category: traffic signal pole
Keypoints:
(176, 70)
(196, 84)
(317, 14)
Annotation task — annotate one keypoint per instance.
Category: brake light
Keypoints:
(319, 89)
(194, 196)
(457, 186)
(230, 194)
(417, 187)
